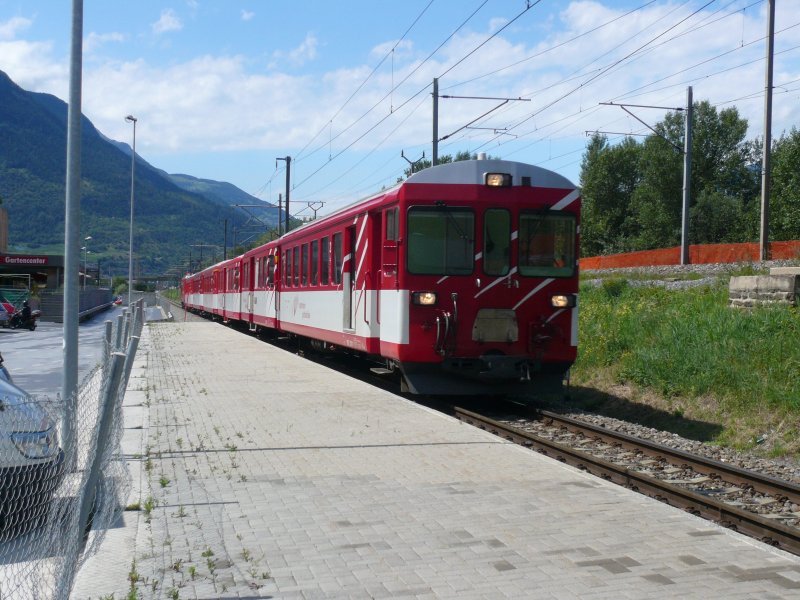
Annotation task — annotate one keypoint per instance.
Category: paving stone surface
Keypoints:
(263, 475)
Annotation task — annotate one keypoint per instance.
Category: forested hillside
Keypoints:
(168, 219)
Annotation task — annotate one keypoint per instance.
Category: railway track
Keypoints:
(751, 503)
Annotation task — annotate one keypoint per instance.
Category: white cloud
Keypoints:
(297, 57)
(216, 105)
(32, 67)
(95, 40)
(247, 15)
(10, 28)
(169, 21)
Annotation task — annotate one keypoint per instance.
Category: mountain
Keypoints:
(171, 213)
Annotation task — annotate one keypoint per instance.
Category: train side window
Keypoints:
(547, 244)
(496, 241)
(304, 265)
(270, 269)
(337, 258)
(392, 230)
(314, 262)
(325, 260)
(296, 266)
(287, 268)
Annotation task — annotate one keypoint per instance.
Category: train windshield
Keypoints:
(441, 241)
(546, 244)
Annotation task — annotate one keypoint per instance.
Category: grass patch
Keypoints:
(690, 355)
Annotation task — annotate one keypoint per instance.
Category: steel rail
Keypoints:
(766, 530)
(779, 488)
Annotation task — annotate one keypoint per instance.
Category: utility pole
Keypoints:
(315, 206)
(687, 179)
(687, 160)
(72, 226)
(225, 242)
(413, 163)
(435, 156)
(288, 160)
(766, 165)
(280, 213)
(437, 139)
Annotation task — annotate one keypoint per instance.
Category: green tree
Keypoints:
(784, 222)
(646, 181)
(609, 176)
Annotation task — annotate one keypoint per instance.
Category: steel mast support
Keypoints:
(687, 179)
(766, 165)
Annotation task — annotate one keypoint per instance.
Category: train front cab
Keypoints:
(479, 280)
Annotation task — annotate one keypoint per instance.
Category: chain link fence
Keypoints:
(61, 471)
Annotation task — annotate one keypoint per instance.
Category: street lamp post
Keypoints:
(85, 252)
(131, 119)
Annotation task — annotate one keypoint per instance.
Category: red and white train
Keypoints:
(463, 279)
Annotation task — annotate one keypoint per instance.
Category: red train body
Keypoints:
(463, 278)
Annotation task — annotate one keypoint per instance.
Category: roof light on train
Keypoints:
(424, 298)
(498, 179)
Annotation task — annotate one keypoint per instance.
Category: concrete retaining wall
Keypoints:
(760, 290)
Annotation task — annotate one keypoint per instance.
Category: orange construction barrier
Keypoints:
(698, 254)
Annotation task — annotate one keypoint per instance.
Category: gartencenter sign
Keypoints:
(24, 260)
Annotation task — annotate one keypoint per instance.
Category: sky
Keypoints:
(221, 89)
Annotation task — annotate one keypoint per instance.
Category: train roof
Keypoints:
(467, 172)
(472, 172)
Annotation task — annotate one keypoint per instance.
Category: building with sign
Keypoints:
(40, 271)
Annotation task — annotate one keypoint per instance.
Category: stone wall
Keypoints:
(761, 290)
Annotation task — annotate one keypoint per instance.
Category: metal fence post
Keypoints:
(118, 342)
(108, 399)
(109, 326)
(133, 345)
(126, 331)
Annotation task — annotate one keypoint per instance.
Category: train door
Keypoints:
(349, 291)
(389, 250)
(248, 281)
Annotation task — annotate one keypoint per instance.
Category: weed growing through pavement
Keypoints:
(179, 441)
(192, 572)
(148, 506)
(164, 481)
(207, 552)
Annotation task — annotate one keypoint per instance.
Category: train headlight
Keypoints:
(424, 298)
(563, 301)
(498, 179)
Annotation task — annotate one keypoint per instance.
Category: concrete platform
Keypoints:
(272, 477)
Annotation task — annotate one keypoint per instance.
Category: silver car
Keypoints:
(31, 461)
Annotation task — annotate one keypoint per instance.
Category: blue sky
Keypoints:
(222, 88)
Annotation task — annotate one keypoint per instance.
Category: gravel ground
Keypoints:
(783, 468)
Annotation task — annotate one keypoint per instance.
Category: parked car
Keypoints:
(31, 461)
